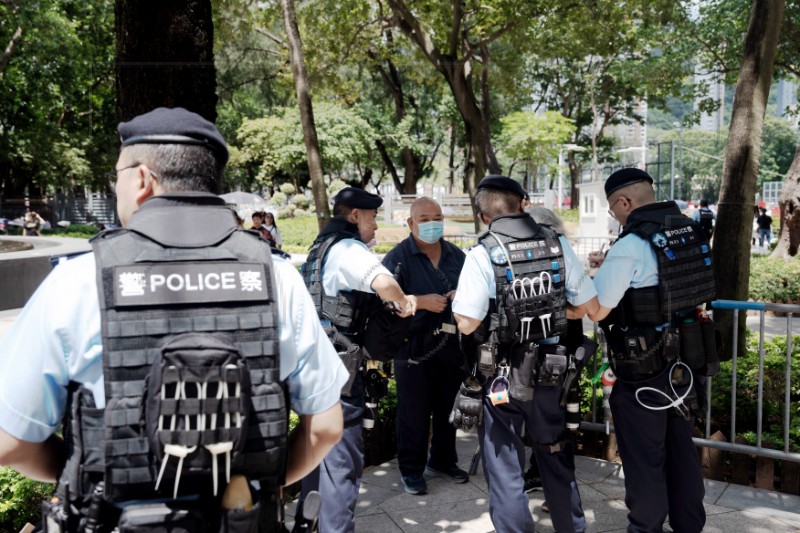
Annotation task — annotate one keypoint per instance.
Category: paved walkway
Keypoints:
(383, 506)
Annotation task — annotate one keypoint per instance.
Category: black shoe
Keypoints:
(415, 485)
(454, 474)
(545, 507)
(532, 483)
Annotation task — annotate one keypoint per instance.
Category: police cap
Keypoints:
(623, 178)
(493, 181)
(173, 126)
(358, 198)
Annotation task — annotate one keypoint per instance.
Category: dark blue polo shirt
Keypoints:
(420, 277)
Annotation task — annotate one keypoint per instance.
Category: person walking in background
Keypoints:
(764, 222)
(272, 228)
(705, 217)
(429, 365)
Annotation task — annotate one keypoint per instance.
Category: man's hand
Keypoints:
(467, 410)
(408, 308)
(435, 303)
(596, 258)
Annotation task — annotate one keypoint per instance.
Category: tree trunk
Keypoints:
(575, 179)
(165, 57)
(731, 251)
(5, 57)
(306, 112)
(789, 236)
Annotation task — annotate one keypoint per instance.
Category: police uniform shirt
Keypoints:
(350, 266)
(476, 285)
(57, 339)
(696, 215)
(630, 263)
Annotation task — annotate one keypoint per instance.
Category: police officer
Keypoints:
(429, 364)
(513, 292)
(182, 298)
(343, 277)
(705, 217)
(650, 281)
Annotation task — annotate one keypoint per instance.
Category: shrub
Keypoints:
(300, 201)
(287, 189)
(285, 214)
(279, 198)
(73, 230)
(301, 213)
(335, 186)
(20, 499)
(775, 280)
(747, 391)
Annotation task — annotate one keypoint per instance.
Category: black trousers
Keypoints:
(662, 468)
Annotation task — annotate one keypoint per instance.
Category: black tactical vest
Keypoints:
(707, 221)
(530, 273)
(190, 359)
(347, 310)
(685, 273)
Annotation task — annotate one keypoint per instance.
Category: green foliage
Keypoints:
(568, 215)
(298, 233)
(534, 138)
(279, 198)
(274, 144)
(747, 391)
(20, 499)
(74, 230)
(300, 200)
(775, 280)
(287, 189)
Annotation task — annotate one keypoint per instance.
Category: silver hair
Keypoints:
(545, 217)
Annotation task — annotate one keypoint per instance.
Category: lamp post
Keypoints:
(572, 148)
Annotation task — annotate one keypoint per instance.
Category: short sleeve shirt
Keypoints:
(350, 266)
(630, 263)
(476, 285)
(56, 340)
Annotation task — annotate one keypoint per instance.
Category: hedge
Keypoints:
(775, 280)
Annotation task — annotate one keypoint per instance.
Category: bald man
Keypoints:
(429, 366)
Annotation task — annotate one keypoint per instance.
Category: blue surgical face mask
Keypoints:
(431, 232)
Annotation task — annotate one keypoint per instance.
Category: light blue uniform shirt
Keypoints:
(476, 284)
(630, 263)
(350, 266)
(56, 339)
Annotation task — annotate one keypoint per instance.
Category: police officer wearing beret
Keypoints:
(169, 352)
(648, 287)
(512, 294)
(343, 277)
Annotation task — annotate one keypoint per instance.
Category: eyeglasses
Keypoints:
(112, 175)
(611, 207)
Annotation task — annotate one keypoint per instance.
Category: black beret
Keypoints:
(173, 126)
(493, 181)
(623, 178)
(358, 198)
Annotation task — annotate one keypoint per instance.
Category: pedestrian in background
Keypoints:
(764, 222)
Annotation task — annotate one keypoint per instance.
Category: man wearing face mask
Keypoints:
(429, 364)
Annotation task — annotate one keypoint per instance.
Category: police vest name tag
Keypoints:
(188, 283)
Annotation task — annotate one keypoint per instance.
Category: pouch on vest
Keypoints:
(197, 406)
(643, 351)
(350, 354)
(552, 365)
(523, 371)
(699, 347)
(160, 518)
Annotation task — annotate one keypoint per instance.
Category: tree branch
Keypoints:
(12, 44)
(408, 24)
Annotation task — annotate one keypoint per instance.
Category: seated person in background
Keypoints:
(272, 228)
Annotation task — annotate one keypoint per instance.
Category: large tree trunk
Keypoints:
(165, 57)
(731, 251)
(789, 237)
(306, 112)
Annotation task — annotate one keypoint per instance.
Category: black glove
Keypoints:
(467, 410)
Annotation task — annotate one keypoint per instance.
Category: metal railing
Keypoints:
(732, 445)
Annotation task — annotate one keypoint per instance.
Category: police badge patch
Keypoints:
(497, 256)
(659, 239)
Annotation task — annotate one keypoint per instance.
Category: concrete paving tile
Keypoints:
(370, 498)
(438, 493)
(386, 475)
(745, 522)
(591, 470)
(763, 502)
(463, 516)
(376, 522)
(714, 489)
